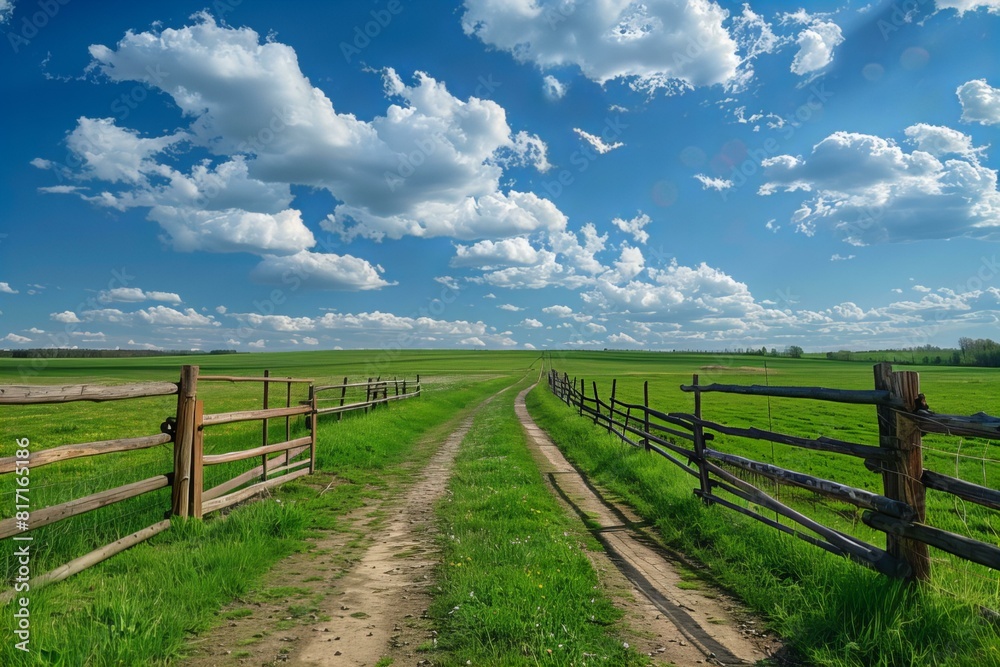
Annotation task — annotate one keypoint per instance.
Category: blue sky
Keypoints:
(509, 174)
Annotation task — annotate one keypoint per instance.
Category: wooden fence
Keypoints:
(376, 393)
(279, 462)
(899, 511)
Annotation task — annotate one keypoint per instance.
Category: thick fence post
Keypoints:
(583, 388)
(699, 447)
(187, 396)
(288, 404)
(197, 460)
(288, 420)
(902, 472)
(645, 412)
(312, 429)
(263, 474)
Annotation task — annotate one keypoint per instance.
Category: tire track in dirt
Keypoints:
(679, 625)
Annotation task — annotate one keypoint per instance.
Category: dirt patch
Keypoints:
(676, 617)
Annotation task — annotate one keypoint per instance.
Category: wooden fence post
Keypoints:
(611, 412)
(368, 394)
(187, 396)
(312, 429)
(343, 393)
(197, 460)
(645, 403)
(288, 420)
(699, 447)
(597, 403)
(901, 474)
(263, 474)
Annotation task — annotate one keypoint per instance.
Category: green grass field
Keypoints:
(948, 390)
(144, 605)
(105, 611)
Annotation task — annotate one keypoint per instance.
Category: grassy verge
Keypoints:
(950, 390)
(142, 607)
(830, 610)
(516, 587)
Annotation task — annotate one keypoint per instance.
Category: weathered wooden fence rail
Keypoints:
(899, 511)
(14, 528)
(376, 393)
(185, 430)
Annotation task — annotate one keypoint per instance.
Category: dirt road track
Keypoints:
(688, 626)
(388, 585)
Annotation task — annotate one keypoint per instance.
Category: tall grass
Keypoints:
(516, 587)
(829, 609)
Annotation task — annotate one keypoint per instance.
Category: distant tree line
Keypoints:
(60, 353)
(970, 352)
(980, 352)
(793, 351)
(927, 355)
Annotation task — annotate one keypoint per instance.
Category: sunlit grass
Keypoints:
(141, 606)
(831, 610)
(957, 390)
(516, 587)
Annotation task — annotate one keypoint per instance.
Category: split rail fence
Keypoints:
(185, 431)
(899, 511)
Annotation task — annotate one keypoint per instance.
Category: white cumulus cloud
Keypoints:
(816, 42)
(635, 226)
(326, 271)
(507, 252)
(667, 45)
(430, 165)
(980, 102)
(869, 190)
(66, 317)
(962, 6)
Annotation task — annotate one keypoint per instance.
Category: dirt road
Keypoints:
(367, 602)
